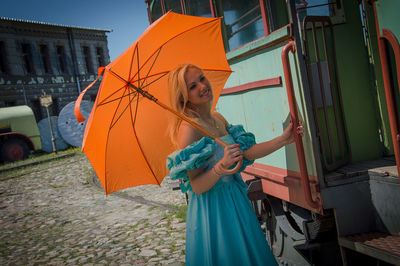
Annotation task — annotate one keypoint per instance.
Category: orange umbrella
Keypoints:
(125, 138)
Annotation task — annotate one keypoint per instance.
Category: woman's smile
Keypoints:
(206, 92)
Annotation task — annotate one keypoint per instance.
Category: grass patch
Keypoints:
(181, 214)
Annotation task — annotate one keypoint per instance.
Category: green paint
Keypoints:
(388, 15)
(265, 111)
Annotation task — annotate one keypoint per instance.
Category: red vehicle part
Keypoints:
(14, 146)
(388, 36)
(290, 47)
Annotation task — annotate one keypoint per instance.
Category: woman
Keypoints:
(221, 226)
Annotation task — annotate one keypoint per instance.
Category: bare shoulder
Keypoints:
(186, 135)
(222, 118)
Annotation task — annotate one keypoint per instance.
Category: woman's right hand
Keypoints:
(232, 154)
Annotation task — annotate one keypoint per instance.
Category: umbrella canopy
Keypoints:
(126, 139)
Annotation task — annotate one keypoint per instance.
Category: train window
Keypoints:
(199, 8)
(156, 10)
(243, 22)
(173, 5)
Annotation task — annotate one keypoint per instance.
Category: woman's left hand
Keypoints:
(288, 136)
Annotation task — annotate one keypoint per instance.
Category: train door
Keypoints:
(360, 192)
(387, 43)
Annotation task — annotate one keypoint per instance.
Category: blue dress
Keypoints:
(221, 226)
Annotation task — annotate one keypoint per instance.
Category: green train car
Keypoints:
(333, 196)
(19, 133)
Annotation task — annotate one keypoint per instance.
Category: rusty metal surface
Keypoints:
(388, 243)
(334, 92)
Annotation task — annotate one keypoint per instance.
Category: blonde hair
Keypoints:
(178, 96)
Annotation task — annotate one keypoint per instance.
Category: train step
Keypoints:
(381, 246)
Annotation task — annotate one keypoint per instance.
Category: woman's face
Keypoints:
(198, 86)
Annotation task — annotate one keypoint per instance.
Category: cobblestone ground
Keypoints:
(52, 214)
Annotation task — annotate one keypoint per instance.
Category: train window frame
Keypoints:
(336, 9)
(243, 22)
(265, 7)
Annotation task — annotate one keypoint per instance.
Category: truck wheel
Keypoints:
(14, 149)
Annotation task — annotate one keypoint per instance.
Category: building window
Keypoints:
(61, 59)
(10, 103)
(93, 97)
(37, 109)
(44, 55)
(27, 58)
(100, 56)
(3, 59)
(88, 59)
(55, 106)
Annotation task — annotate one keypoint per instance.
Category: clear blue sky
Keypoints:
(126, 18)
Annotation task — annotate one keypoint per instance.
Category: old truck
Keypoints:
(19, 133)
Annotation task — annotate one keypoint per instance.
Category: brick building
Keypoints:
(37, 57)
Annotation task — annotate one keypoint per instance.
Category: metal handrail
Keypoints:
(391, 38)
(290, 47)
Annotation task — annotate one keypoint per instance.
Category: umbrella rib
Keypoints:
(103, 101)
(148, 59)
(108, 137)
(154, 80)
(113, 100)
(139, 90)
(152, 75)
(152, 65)
(138, 142)
(138, 72)
(130, 101)
(133, 56)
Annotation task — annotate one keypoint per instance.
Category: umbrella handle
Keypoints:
(224, 170)
(227, 171)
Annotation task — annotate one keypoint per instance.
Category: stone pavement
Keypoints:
(52, 214)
